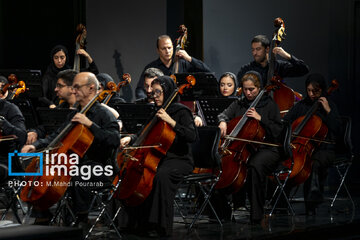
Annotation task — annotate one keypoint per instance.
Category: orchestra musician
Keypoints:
(59, 62)
(154, 217)
(260, 46)
(65, 93)
(12, 122)
(228, 84)
(323, 155)
(165, 63)
(149, 75)
(103, 125)
(104, 78)
(3, 82)
(266, 158)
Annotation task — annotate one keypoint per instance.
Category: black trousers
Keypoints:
(314, 185)
(260, 165)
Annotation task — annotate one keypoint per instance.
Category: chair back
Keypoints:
(205, 149)
(344, 145)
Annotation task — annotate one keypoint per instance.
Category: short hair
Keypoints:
(67, 76)
(153, 72)
(161, 37)
(261, 39)
(253, 76)
(93, 80)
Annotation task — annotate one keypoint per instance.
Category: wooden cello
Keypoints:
(74, 138)
(282, 95)
(308, 132)
(79, 44)
(235, 154)
(139, 162)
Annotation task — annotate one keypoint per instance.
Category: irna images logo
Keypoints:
(15, 154)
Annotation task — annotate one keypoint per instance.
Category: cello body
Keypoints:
(139, 167)
(237, 154)
(78, 141)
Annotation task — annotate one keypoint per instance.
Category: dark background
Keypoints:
(122, 35)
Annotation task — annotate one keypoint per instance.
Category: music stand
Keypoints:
(212, 107)
(206, 85)
(28, 111)
(53, 118)
(134, 116)
(32, 79)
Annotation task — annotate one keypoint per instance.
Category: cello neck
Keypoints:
(77, 59)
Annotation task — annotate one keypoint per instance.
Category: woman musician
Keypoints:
(324, 154)
(154, 216)
(266, 158)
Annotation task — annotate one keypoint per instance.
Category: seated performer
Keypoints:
(12, 122)
(266, 158)
(228, 84)
(149, 75)
(103, 126)
(323, 155)
(154, 216)
(165, 62)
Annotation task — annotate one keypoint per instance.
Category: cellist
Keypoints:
(324, 154)
(260, 47)
(266, 158)
(154, 217)
(103, 126)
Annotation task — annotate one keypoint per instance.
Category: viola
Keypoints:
(19, 88)
(308, 132)
(235, 154)
(74, 138)
(284, 96)
(116, 88)
(139, 162)
(79, 44)
(180, 45)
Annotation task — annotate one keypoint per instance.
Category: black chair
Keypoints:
(282, 173)
(206, 156)
(344, 158)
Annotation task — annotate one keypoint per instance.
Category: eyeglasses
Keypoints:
(156, 92)
(59, 85)
(77, 87)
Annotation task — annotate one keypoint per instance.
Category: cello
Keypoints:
(139, 162)
(235, 154)
(74, 138)
(308, 132)
(284, 96)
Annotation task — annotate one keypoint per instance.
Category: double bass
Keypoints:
(139, 162)
(74, 138)
(180, 45)
(284, 96)
(307, 132)
(79, 44)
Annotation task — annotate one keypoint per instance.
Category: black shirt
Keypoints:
(292, 68)
(104, 128)
(184, 66)
(14, 124)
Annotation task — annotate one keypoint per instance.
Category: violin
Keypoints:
(79, 44)
(74, 138)
(308, 132)
(116, 88)
(19, 88)
(284, 96)
(180, 45)
(139, 162)
(241, 131)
